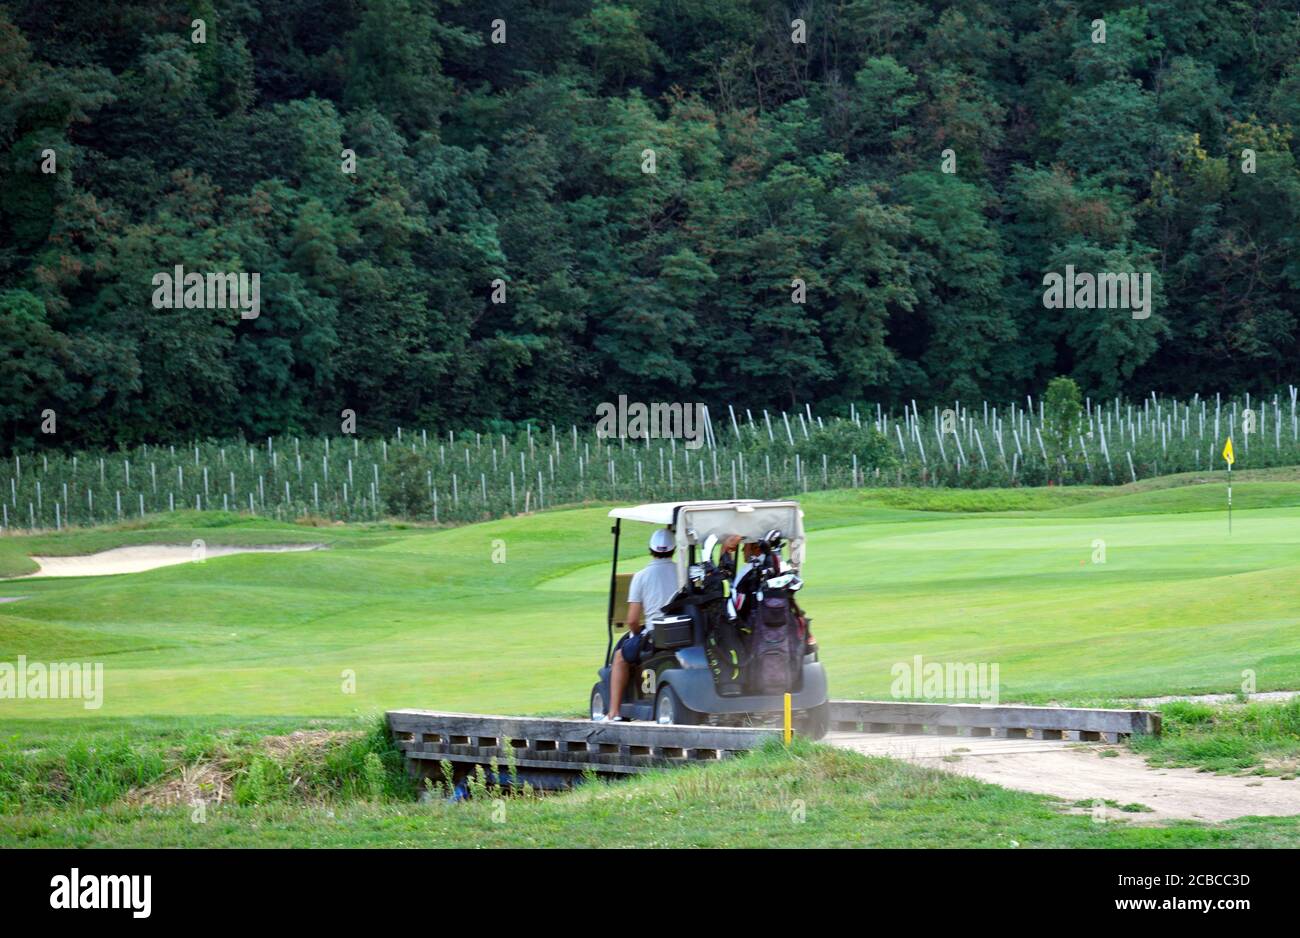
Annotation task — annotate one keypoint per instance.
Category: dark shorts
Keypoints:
(632, 646)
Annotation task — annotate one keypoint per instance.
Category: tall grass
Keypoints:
(95, 769)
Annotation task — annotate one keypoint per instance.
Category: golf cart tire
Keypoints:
(682, 714)
(598, 689)
(815, 723)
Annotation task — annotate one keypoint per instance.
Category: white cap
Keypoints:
(661, 542)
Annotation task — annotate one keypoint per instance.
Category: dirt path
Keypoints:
(139, 559)
(1270, 696)
(1074, 772)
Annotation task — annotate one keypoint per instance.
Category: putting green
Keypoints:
(430, 618)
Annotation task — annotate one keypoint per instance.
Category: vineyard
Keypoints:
(462, 477)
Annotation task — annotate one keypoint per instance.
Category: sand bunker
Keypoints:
(148, 557)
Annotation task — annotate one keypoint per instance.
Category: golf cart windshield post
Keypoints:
(613, 589)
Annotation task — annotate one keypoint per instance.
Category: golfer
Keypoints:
(651, 589)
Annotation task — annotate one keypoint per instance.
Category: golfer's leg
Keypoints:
(617, 682)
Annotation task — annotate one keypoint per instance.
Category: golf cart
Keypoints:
(679, 676)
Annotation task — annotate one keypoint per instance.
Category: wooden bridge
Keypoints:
(572, 747)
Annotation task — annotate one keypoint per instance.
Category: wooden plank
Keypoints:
(622, 761)
(602, 764)
(560, 731)
(986, 716)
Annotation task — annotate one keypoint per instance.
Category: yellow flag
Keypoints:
(1228, 455)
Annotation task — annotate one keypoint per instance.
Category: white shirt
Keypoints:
(652, 587)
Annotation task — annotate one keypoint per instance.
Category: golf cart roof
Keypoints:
(665, 513)
(692, 522)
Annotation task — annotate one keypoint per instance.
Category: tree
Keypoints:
(451, 230)
(33, 364)
(404, 486)
(957, 273)
(1062, 410)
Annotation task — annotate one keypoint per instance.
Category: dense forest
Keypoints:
(502, 251)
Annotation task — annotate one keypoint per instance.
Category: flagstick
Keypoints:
(1229, 457)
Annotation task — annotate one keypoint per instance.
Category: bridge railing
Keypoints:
(1011, 722)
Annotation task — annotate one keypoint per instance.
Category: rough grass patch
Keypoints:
(214, 766)
(1227, 738)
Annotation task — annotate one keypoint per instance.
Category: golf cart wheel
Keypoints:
(670, 709)
(815, 723)
(597, 702)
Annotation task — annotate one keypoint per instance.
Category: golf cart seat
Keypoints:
(622, 585)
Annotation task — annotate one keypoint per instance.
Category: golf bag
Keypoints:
(725, 649)
(776, 644)
(724, 645)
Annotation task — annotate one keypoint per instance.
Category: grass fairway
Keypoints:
(203, 661)
(425, 618)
